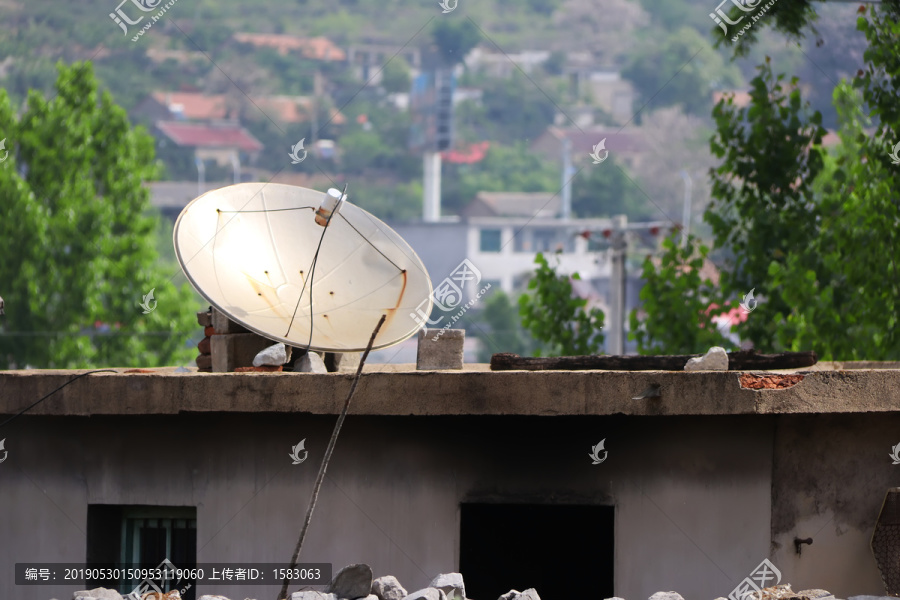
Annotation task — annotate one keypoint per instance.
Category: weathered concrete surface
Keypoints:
(830, 476)
(692, 494)
(471, 391)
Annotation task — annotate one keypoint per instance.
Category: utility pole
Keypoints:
(686, 209)
(431, 188)
(617, 235)
(567, 172)
(201, 174)
(618, 250)
(236, 166)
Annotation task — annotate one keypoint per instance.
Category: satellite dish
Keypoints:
(257, 251)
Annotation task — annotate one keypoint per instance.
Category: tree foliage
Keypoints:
(558, 320)
(762, 207)
(607, 190)
(76, 243)
(815, 231)
(504, 169)
(455, 39)
(677, 300)
(500, 329)
(680, 70)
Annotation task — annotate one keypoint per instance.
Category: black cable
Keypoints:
(54, 391)
(312, 273)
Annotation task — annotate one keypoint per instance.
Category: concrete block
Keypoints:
(204, 318)
(235, 350)
(342, 362)
(222, 324)
(440, 349)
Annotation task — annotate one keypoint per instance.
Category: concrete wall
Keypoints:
(830, 478)
(692, 494)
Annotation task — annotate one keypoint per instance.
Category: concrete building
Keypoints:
(368, 59)
(503, 65)
(503, 247)
(484, 472)
(628, 146)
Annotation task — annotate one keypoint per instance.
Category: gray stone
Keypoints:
(428, 593)
(617, 598)
(714, 360)
(529, 594)
(273, 356)
(311, 595)
(388, 588)
(207, 597)
(448, 583)
(370, 597)
(440, 349)
(667, 595)
(97, 594)
(353, 581)
(310, 362)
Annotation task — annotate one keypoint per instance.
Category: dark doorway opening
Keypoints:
(562, 551)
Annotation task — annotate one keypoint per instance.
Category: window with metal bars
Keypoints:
(142, 536)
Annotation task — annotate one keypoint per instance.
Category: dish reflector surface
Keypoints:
(249, 248)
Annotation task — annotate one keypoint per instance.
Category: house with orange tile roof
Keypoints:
(195, 106)
(315, 48)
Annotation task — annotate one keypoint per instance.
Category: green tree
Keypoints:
(455, 39)
(396, 76)
(511, 110)
(842, 291)
(762, 208)
(676, 299)
(77, 244)
(680, 70)
(501, 330)
(813, 231)
(557, 319)
(606, 190)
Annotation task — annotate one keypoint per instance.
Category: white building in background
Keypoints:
(500, 234)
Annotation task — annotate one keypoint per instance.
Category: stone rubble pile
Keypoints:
(355, 582)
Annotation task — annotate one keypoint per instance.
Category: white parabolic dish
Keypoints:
(248, 249)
